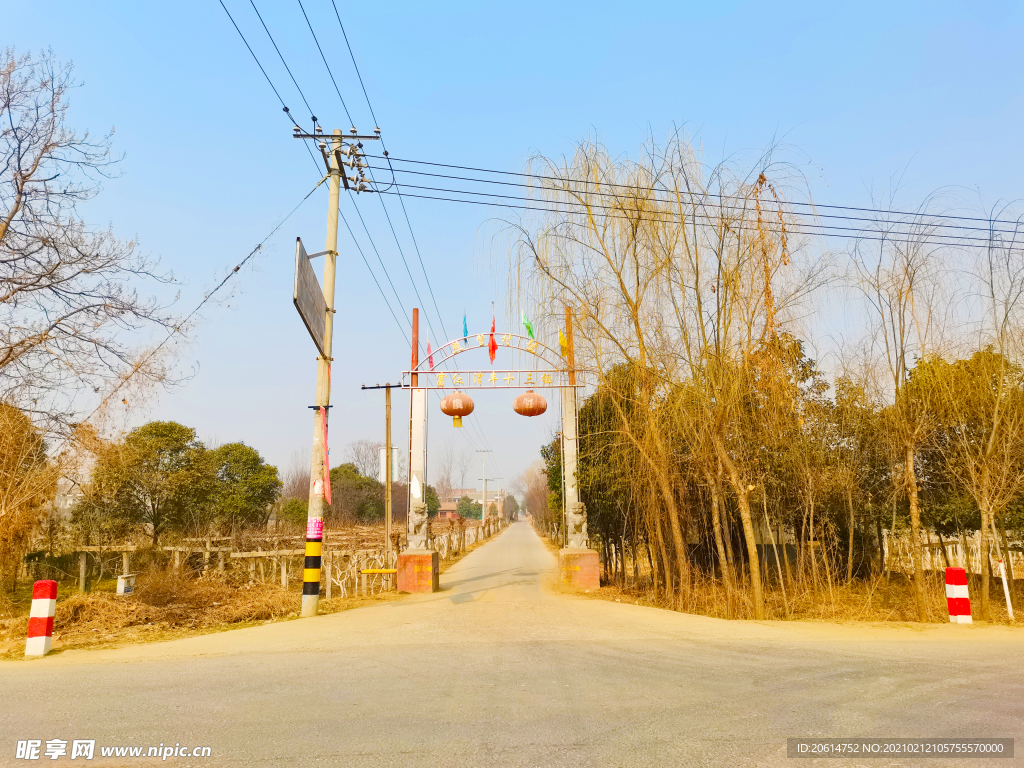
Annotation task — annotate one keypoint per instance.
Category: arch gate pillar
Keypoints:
(578, 565)
(418, 566)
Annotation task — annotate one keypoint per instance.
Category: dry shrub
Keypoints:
(166, 601)
(859, 600)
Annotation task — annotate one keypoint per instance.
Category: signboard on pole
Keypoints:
(308, 298)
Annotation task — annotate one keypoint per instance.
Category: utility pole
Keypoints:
(483, 475)
(485, 479)
(312, 308)
(319, 471)
(389, 469)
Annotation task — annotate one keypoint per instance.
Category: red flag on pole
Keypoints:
(492, 347)
(430, 357)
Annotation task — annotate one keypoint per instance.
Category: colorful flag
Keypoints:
(563, 343)
(465, 329)
(528, 324)
(430, 357)
(492, 347)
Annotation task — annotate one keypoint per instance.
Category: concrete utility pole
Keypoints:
(578, 564)
(417, 565)
(388, 474)
(496, 498)
(483, 475)
(319, 471)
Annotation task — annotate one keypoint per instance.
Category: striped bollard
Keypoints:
(956, 596)
(40, 618)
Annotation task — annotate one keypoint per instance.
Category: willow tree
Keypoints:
(979, 400)
(899, 275)
(979, 404)
(680, 273)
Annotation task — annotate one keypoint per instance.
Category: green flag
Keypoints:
(528, 324)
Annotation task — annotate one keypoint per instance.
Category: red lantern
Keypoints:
(457, 405)
(530, 404)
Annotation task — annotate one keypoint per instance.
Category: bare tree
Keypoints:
(679, 277)
(898, 272)
(446, 466)
(296, 477)
(980, 400)
(365, 454)
(465, 460)
(67, 292)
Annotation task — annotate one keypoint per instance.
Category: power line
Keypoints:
(668, 215)
(709, 194)
(352, 56)
(376, 282)
(329, 72)
(405, 212)
(348, 227)
(408, 222)
(258, 64)
(376, 251)
(767, 203)
(768, 226)
(296, 82)
(299, 88)
(206, 298)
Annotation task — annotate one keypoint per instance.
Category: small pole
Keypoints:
(388, 469)
(483, 514)
(82, 558)
(125, 562)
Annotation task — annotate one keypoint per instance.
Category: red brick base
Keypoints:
(418, 571)
(579, 568)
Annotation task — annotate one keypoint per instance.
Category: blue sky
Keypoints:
(857, 94)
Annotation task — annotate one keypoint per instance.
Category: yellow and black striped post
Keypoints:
(311, 567)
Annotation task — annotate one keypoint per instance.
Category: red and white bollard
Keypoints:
(956, 596)
(40, 619)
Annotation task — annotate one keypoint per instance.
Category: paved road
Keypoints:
(497, 670)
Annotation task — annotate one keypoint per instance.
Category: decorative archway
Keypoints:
(418, 567)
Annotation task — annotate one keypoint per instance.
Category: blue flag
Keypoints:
(465, 329)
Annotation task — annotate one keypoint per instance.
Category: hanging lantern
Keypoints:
(530, 404)
(457, 405)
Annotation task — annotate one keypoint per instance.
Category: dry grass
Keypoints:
(877, 600)
(858, 601)
(168, 606)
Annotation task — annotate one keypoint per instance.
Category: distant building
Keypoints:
(449, 504)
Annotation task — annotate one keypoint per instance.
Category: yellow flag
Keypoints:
(563, 343)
